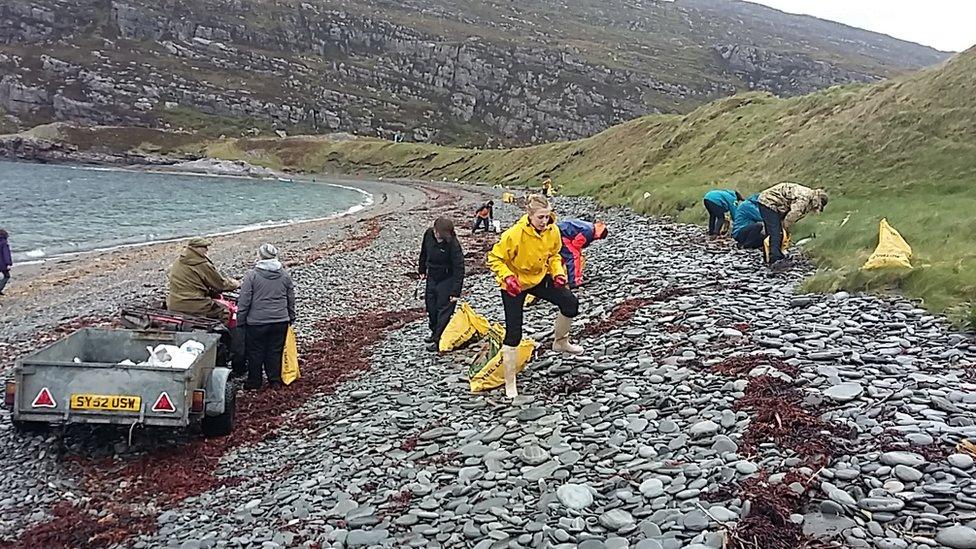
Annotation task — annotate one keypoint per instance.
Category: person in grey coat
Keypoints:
(265, 308)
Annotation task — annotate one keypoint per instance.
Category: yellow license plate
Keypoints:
(110, 403)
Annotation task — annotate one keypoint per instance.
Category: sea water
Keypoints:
(56, 210)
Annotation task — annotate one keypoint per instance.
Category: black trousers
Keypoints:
(265, 343)
(238, 350)
(5, 279)
(716, 217)
(752, 237)
(440, 308)
(482, 221)
(773, 222)
(547, 291)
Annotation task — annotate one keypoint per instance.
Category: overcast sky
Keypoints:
(948, 25)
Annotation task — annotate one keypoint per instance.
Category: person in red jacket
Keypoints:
(484, 217)
(576, 235)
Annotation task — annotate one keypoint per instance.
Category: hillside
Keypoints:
(443, 71)
(904, 149)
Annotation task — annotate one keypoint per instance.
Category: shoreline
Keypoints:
(367, 202)
(41, 295)
(339, 182)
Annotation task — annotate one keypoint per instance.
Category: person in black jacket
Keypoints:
(442, 262)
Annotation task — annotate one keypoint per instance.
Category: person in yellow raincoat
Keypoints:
(526, 261)
(547, 189)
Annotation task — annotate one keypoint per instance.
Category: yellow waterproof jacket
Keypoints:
(193, 279)
(792, 200)
(547, 188)
(527, 254)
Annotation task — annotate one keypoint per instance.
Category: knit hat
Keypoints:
(199, 242)
(268, 251)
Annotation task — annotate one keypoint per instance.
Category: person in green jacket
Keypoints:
(194, 282)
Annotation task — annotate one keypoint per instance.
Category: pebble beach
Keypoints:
(715, 406)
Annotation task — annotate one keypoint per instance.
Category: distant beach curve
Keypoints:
(67, 210)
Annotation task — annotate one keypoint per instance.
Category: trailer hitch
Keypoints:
(132, 428)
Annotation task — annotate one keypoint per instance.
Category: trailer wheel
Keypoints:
(29, 427)
(222, 425)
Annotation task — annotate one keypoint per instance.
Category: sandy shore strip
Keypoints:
(93, 284)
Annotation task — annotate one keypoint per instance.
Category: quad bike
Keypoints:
(230, 347)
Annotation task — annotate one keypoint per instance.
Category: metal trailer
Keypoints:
(79, 380)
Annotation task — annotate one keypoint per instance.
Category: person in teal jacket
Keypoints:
(747, 226)
(718, 202)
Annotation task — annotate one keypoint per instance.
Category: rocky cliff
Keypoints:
(485, 73)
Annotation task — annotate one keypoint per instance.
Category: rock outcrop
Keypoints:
(420, 70)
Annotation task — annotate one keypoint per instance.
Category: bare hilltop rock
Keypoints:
(447, 71)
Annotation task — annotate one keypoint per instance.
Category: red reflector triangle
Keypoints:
(163, 404)
(44, 400)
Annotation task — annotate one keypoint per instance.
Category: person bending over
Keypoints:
(781, 207)
(747, 229)
(484, 216)
(718, 202)
(577, 234)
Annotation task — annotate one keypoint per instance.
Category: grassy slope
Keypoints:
(903, 149)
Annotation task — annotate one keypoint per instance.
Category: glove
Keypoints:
(560, 281)
(512, 286)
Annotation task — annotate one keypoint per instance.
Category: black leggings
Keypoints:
(716, 217)
(546, 291)
(440, 308)
(481, 221)
(265, 344)
(751, 237)
(773, 222)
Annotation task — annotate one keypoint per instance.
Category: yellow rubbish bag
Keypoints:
(508, 198)
(486, 370)
(892, 251)
(289, 359)
(465, 325)
(786, 244)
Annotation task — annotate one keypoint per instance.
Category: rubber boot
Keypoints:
(561, 343)
(510, 363)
